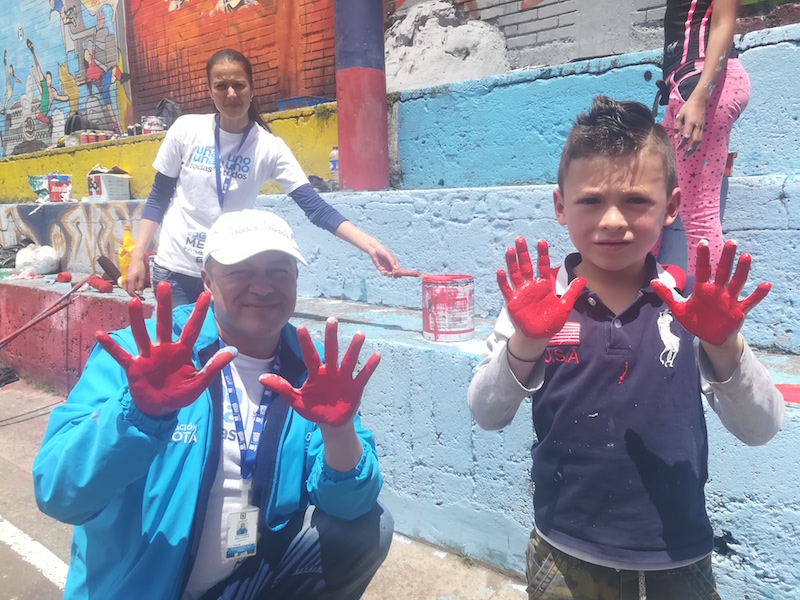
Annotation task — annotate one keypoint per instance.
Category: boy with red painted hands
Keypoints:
(617, 362)
(186, 477)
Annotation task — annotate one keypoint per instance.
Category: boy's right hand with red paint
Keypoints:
(533, 305)
(163, 379)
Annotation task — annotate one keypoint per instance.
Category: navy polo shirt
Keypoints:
(622, 453)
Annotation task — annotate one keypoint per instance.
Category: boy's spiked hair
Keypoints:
(617, 128)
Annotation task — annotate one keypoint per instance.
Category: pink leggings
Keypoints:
(700, 174)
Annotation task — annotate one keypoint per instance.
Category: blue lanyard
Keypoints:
(248, 450)
(222, 186)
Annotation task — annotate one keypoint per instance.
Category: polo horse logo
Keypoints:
(671, 341)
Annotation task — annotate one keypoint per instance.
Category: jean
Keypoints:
(555, 575)
(186, 289)
(315, 557)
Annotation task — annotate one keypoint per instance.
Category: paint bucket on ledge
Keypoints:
(448, 308)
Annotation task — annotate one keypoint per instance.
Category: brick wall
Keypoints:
(289, 42)
(557, 31)
(529, 22)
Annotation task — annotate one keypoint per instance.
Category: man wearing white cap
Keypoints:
(224, 460)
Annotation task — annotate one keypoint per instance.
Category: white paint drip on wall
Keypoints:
(432, 45)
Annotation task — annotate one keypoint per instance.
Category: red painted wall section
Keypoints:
(363, 91)
(54, 351)
(289, 43)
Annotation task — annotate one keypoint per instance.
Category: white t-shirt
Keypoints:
(226, 494)
(187, 153)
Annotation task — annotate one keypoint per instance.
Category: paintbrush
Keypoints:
(405, 273)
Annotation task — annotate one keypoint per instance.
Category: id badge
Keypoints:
(242, 533)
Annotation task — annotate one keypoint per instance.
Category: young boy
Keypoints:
(617, 362)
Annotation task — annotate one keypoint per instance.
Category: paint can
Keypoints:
(448, 307)
(152, 125)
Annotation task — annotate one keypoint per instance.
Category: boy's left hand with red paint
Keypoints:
(714, 312)
(330, 395)
(533, 305)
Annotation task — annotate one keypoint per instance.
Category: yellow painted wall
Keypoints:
(134, 155)
(309, 132)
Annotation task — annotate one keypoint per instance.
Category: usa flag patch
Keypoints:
(570, 335)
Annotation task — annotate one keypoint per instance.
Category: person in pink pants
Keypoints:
(708, 90)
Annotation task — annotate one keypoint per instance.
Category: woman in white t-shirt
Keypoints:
(192, 188)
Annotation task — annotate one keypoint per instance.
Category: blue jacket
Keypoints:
(136, 488)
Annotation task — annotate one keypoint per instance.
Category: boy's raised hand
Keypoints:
(714, 312)
(533, 305)
(330, 395)
(162, 379)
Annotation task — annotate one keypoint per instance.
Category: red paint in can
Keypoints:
(448, 307)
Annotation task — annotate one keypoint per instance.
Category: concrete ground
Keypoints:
(34, 549)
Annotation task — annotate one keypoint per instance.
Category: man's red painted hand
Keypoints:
(714, 312)
(162, 379)
(330, 395)
(533, 305)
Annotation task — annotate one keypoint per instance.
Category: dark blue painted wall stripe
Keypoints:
(359, 34)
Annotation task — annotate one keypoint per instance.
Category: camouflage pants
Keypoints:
(553, 575)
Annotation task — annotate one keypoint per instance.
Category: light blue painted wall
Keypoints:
(468, 230)
(509, 129)
(451, 483)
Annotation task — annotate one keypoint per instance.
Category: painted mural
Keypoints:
(289, 43)
(171, 40)
(79, 232)
(63, 56)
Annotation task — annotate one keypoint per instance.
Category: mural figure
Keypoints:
(69, 87)
(44, 82)
(230, 5)
(102, 78)
(11, 79)
(67, 13)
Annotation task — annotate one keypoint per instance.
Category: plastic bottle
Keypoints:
(333, 159)
(125, 252)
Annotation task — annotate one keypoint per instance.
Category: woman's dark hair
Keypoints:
(230, 55)
(617, 128)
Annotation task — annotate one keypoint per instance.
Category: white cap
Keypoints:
(239, 235)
